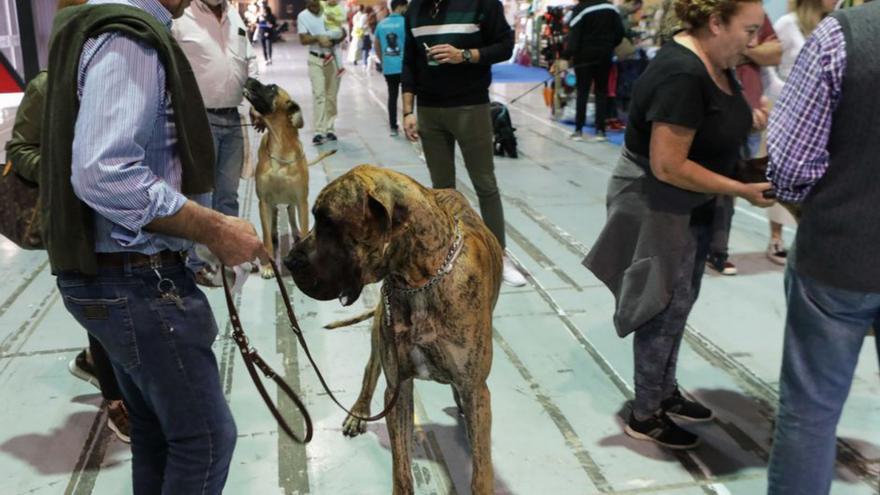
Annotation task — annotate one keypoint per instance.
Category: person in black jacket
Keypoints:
(448, 55)
(595, 29)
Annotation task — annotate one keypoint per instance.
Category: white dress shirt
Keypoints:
(218, 51)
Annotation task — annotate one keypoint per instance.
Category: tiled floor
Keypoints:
(560, 378)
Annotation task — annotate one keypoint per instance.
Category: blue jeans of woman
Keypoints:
(182, 431)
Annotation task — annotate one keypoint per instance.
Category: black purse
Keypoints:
(20, 210)
(752, 171)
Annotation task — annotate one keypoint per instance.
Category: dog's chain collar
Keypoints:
(451, 256)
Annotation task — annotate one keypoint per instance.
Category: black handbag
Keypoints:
(752, 170)
(20, 211)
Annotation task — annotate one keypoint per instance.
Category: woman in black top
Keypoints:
(688, 120)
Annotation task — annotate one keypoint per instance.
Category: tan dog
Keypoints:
(282, 173)
(441, 268)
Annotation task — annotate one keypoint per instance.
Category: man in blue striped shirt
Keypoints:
(143, 305)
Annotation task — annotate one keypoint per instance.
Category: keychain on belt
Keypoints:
(166, 287)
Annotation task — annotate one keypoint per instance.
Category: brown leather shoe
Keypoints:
(117, 420)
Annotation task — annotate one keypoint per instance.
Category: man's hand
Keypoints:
(324, 41)
(233, 240)
(236, 242)
(411, 127)
(257, 121)
(446, 54)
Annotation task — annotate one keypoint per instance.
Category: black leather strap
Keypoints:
(252, 359)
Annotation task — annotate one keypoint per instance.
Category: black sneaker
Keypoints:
(677, 407)
(318, 140)
(82, 368)
(721, 264)
(330, 136)
(662, 431)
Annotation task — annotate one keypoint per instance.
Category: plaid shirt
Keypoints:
(800, 124)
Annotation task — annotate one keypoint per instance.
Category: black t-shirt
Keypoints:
(677, 89)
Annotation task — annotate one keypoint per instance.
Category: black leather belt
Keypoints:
(316, 54)
(135, 260)
(222, 111)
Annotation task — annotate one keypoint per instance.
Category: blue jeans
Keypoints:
(229, 156)
(824, 331)
(182, 431)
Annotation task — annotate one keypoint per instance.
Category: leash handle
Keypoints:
(252, 361)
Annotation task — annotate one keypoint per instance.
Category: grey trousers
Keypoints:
(656, 343)
(471, 127)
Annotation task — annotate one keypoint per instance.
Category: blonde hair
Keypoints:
(809, 13)
(696, 13)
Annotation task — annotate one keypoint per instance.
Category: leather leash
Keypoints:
(252, 358)
(252, 361)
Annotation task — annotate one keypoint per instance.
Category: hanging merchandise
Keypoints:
(553, 32)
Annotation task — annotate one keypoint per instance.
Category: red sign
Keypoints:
(10, 82)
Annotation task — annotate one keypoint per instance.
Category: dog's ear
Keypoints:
(385, 215)
(295, 114)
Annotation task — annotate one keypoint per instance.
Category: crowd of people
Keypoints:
(124, 203)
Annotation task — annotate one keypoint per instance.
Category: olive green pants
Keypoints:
(471, 127)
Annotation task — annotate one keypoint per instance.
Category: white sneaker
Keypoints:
(511, 274)
(600, 137)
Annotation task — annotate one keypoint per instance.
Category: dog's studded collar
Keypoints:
(451, 256)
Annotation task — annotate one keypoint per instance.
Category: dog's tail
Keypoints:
(351, 321)
(321, 157)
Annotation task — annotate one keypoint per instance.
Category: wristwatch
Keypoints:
(466, 56)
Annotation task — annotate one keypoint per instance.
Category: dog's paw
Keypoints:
(266, 272)
(353, 426)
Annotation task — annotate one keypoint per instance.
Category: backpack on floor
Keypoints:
(505, 139)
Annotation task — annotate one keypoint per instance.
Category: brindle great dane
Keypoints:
(441, 270)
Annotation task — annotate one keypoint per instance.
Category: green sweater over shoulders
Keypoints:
(68, 226)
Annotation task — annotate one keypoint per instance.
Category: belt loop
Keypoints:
(126, 265)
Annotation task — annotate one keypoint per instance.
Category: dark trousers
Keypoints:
(182, 431)
(266, 41)
(393, 81)
(596, 75)
(367, 46)
(471, 127)
(104, 370)
(721, 225)
(657, 342)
